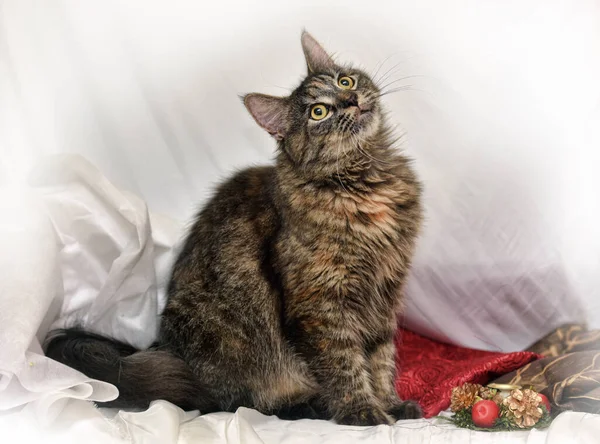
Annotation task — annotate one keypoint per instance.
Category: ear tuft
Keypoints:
(317, 58)
(270, 112)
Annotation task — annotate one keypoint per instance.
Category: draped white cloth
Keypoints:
(163, 423)
(503, 120)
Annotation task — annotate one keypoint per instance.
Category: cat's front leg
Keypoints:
(337, 360)
(382, 361)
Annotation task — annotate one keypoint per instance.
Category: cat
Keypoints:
(285, 295)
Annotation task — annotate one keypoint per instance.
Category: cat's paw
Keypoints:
(406, 410)
(304, 410)
(365, 416)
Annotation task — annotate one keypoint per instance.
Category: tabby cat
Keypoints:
(286, 293)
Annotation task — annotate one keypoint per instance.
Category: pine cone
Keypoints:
(498, 399)
(523, 407)
(464, 397)
(487, 393)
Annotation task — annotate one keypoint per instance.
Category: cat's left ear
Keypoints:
(317, 58)
(270, 112)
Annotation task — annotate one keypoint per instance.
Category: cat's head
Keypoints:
(332, 114)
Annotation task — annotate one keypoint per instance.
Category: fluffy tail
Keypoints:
(140, 376)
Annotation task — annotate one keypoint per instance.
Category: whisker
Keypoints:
(374, 76)
(383, 76)
(404, 88)
(400, 79)
(357, 140)
(337, 165)
(392, 70)
(364, 153)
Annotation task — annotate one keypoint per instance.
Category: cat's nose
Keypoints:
(348, 99)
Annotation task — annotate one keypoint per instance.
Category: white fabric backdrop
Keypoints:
(504, 127)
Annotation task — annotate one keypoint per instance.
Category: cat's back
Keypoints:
(232, 228)
(244, 195)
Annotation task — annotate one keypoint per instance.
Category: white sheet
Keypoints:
(164, 423)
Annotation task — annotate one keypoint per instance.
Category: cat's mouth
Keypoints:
(364, 113)
(360, 109)
(357, 119)
(365, 108)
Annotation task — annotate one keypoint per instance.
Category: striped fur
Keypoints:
(285, 295)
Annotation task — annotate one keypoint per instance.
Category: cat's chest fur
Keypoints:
(355, 245)
(368, 230)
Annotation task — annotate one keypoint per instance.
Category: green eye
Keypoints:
(345, 82)
(318, 112)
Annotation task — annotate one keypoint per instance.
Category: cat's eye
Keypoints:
(346, 82)
(318, 112)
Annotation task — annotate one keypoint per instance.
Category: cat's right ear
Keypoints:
(317, 58)
(270, 112)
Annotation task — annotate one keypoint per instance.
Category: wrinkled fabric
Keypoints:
(163, 423)
(31, 296)
(76, 251)
(106, 252)
(569, 373)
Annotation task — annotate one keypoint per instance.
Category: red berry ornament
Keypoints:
(484, 413)
(545, 401)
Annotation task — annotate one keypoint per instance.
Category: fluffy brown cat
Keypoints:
(286, 294)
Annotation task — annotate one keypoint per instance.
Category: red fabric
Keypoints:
(428, 370)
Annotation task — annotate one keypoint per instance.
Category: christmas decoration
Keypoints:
(545, 402)
(464, 397)
(491, 393)
(523, 407)
(485, 413)
(498, 408)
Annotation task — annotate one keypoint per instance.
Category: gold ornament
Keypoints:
(464, 397)
(523, 407)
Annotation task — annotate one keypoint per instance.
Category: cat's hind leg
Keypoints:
(235, 346)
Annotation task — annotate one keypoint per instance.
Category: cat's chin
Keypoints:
(367, 129)
(368, 122)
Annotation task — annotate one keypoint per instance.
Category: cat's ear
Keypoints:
(317, 58)
(270, 112)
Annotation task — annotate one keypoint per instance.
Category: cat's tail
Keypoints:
(140, 376)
